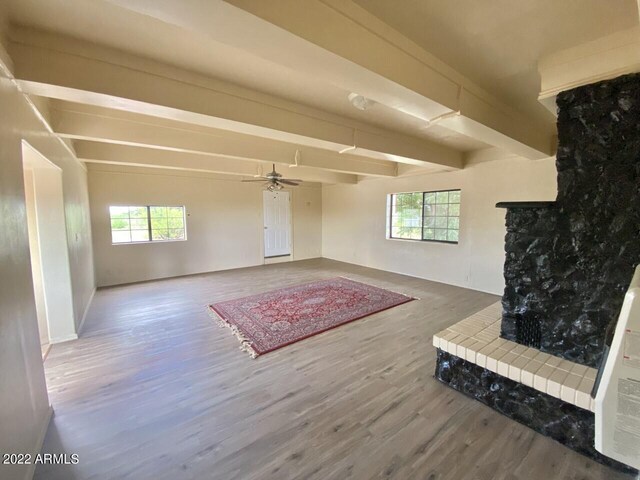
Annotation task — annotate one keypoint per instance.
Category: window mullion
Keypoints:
(149, 222)
(130, 230)
(391, 217)
(422, 219)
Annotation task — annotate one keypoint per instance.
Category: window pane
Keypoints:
(442, 197)
(160, 234)
(401, 199)
(429, 210)
(119, 224)
(429, 234)
(429, 222)
(424, 216)
(175, 212)
(139, 235)
(176, 222)
(441, 222)
(176, 234)
(138, 212)
(442, 210)
(157, 212)
(441, 234)
(406, 215)
(139, 224)
(406, 232)
(131, 224)
(158, 223)
(119, 212)
(429, 198)
(168, 234)
(121, 236)
(414, 233)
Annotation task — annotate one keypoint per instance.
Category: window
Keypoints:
(147, 224)
(429, 216)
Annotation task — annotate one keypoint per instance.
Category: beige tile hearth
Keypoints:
(477, 340)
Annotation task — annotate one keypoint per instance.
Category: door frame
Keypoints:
(282, 258)
(55, 258)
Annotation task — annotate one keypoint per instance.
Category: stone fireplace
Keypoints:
(568, 264)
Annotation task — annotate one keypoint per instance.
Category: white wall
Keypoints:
(25, 407)
(224, 222)
(354, 222)
(34, 250)
(53, 246)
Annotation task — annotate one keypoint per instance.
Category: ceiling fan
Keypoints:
(275, 180)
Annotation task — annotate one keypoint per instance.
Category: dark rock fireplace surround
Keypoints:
(569, 262)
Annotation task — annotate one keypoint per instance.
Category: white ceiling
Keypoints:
(498, 45)
(104, 23)
(495, 44)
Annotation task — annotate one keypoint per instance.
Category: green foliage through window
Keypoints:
(432, 216)
(133, 224)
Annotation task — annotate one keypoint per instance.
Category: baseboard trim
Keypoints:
(278, 259)
(453, 284)
(40, 441)
(66, 338)
(184, 275)
(86, 310)
(46, 352)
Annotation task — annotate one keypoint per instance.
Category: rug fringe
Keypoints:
(384, 288)
(245, 344)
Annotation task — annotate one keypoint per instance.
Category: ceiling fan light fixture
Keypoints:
(275, 181)
(360, 102)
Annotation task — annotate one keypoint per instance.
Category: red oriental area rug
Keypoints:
(272, 320)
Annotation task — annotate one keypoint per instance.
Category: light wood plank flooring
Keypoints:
(154, 389)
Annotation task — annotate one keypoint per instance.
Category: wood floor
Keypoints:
(154, 389)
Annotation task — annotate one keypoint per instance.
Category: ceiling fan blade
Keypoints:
(292, 179)
(262, 180)
(288, 182)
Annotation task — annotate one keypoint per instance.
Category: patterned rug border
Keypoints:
(245, 343)
(377, 286)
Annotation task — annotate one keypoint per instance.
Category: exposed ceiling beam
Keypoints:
(224, 23)
(591, 62)
(351, 33)
(130, 129)
(341, 43)
(63, 68)
(108, 153)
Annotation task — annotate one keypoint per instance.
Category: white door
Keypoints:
(277, 224)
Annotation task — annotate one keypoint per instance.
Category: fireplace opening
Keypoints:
(528, 330)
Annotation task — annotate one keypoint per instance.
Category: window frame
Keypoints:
(149, 226)
(421, 239)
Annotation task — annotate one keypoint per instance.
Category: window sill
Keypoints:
(446, 242)
(147, 242)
